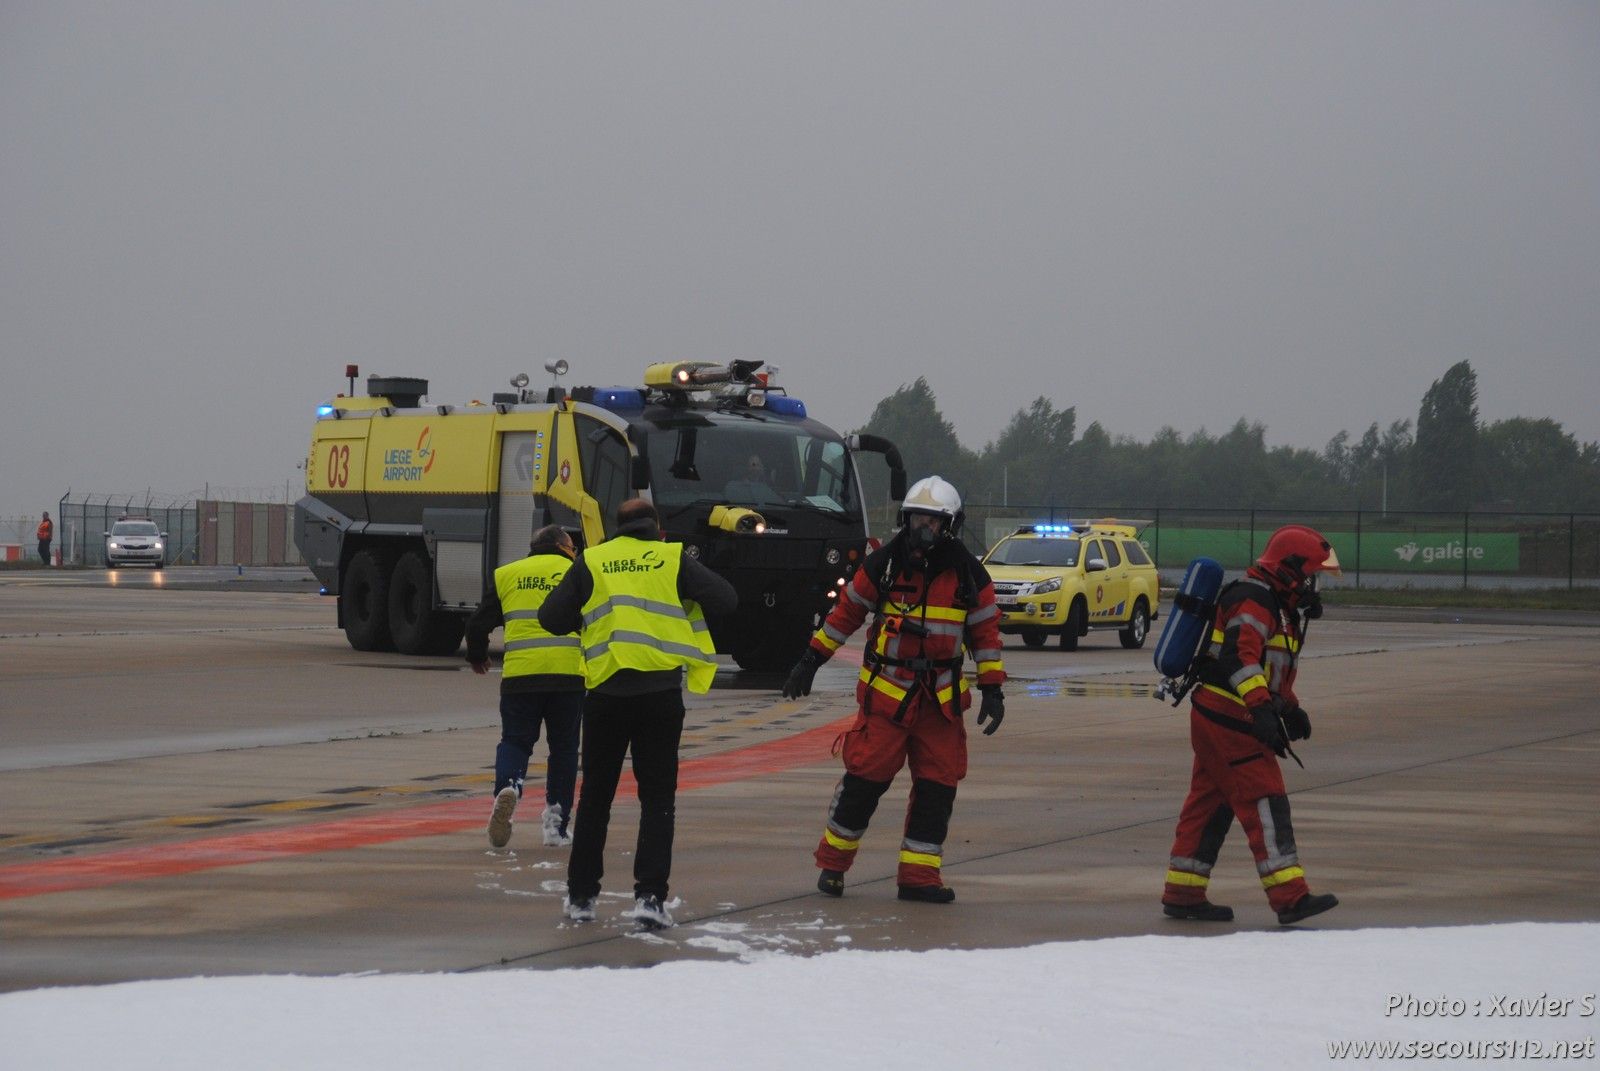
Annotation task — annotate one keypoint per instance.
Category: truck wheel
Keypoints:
(1034, 637)
(1075, 626)
(447, 632)
(364, 602)
(1138, 627)
(773, 650)
(414, 623)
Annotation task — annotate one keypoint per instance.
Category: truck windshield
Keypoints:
(750, 463)
(1022, 551)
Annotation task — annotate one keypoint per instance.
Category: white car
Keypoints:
(133, 541)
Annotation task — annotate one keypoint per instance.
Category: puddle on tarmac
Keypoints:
(1050, 689)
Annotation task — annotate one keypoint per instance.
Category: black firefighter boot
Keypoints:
(1308, 905)
(1204, 911)
(831, 882)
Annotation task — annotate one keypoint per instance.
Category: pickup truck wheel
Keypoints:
(1075, 625)
(364, 602)
(1034, 637)
(1138, 627)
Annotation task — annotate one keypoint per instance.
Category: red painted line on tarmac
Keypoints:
(429, 820)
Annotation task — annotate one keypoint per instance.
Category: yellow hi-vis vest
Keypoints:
(634, 619)
(523, 586)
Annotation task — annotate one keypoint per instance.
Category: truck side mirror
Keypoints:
(639, 473)
(1095, 565)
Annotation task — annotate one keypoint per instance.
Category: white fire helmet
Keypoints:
(935, 495)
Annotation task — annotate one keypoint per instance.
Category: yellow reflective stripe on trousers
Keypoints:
(919, 859)
(1183, 877)
(836, 841)
(1280, 877)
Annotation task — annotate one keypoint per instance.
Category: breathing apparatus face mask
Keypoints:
(921, 537)
(1310, 598)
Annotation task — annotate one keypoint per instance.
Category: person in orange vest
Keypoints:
(46, 533)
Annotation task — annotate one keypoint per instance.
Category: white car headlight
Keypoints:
(1045, 587)
(158, 544)
(113, 545)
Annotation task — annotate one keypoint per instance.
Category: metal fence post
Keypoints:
(1572, 546)
(1466, 536)
(1358, 549)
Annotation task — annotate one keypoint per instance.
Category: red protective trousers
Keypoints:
(874, 750)
(1234, 776)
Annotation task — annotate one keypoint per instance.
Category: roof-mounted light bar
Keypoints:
(688, 375)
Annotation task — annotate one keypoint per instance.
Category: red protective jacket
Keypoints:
(1255, 647)
(914, 646)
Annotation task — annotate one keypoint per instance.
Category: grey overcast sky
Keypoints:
(1160, 213)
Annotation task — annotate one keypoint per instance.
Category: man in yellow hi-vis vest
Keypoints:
(639, 604)
(540, 683)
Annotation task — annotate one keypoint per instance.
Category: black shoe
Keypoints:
(928, 894)
(1204, 911)
(1307, 906)
(831, 882)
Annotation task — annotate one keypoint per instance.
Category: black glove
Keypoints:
(1311, 605)
(1266, 724)
(1296, 724)
(993, 708)
(799, 682)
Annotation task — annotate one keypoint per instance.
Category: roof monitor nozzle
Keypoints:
(557, 367)
(403, 392)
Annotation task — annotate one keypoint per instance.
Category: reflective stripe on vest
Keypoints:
(523, 586)
(634, 620)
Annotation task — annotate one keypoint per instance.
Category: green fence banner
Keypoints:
(1381, 552)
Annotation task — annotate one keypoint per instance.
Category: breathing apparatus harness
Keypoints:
(884, 565)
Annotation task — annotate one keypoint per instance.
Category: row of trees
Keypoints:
(1450, 462)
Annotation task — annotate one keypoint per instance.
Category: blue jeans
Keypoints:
(521, 715)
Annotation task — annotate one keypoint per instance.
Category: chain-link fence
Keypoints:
(203, 532)
(1375, 548)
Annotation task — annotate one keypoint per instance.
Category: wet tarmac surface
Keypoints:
(208, 780)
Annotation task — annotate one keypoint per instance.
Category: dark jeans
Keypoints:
(521, 714)
(44, 551)
(651, 725)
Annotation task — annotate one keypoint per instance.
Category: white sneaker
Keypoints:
(553, 837)
(651, 913)
(505, 804)
(580, 910)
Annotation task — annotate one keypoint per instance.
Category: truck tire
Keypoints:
(417, 627)
(1076, 625)
(364, 602)
(447, 632)
(1138, 628)
(774, 649)
(1034, 637)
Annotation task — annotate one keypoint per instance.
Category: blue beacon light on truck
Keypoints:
(618, 399)
(1053, 529)
(783, 405)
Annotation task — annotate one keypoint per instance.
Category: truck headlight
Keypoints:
(1045, 587)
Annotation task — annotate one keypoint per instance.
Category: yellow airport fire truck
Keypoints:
(410, 506)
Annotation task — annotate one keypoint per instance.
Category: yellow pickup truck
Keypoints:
(1065, 579)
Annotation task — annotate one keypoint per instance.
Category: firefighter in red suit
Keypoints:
(1243, 718)
(929, 598)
